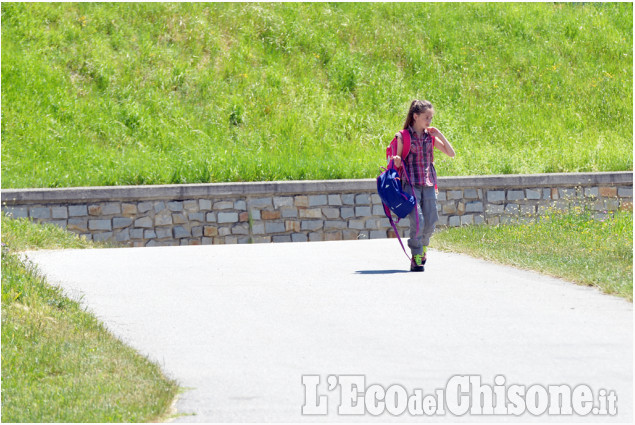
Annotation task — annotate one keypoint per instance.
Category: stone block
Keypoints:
(331, 213)
(181, 232)
(143, 207)
(348, 199)
(102, 237)
(335, 200)
(129, 209)
(470, 194)
(94, 210)
(567, 193)
(196, 216)
(454, 221)
(347, 212)
(333, 236)
(122, 236)
(312, 224)
(16, 212)
(474, 206)
(512, 209)
(59, 212)
(377, 234)
(316, 237)
(143, 222)
(77, 210)
(260, 202)
(289, 212)
(210, 217)
(78, 224)
(533, 194)
(356, 224)
(454, 194)
(137, 233)
(258, 229)
(40, 213)
(442, 195)
(99, 225)
(281, 238)
(449, 208)
(282, 201)
(362, 199)
(528, 209)
(591, 192)
(179, 218)
(163, 232)
(375, 199)
(150, 234)
(227, 217)
(121, 222)
(362, 211)
(292, 226)
(625, 192)
(191, 205)
(262, 239)
(495, 195)
(467, 220)
(243, 217)
(515, 195)
(335, 224)
(270, 215)
(312, 213)
(495, 209)
(175, 206)
(317, 200)
(301, 201)
(159, 206)
(204, 204)
(110, 208)
(240, 229)
(608, 192)
(223, 205)
(299, 237)
(210, 231)
(163, 219)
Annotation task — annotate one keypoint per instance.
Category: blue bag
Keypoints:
(395, 199)
(392, 194)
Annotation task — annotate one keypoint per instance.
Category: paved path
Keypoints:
(239, 325)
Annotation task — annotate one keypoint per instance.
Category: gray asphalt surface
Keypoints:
(239, 325)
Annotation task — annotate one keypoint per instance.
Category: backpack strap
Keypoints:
(405, 137)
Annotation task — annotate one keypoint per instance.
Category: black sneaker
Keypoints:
(417, 262)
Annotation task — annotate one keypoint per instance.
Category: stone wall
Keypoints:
(264, 212)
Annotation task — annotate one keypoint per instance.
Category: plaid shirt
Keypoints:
(420, 160)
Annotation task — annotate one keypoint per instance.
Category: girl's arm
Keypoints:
(441, 142)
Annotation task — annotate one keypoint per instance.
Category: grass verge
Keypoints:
(572, 245)
(59, 363)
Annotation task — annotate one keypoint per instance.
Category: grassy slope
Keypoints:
(106, 94)
(59, 363)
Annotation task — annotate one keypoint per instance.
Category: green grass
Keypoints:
(128, 93)
(571, 245)
(59, 363)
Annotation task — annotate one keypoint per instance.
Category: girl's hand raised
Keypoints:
(397, 160)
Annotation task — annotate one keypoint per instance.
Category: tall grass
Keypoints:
(130, 93)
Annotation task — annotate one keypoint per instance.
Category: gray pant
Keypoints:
(428, 217)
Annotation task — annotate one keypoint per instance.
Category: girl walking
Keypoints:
(419, 162)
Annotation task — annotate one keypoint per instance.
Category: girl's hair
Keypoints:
(416, 107)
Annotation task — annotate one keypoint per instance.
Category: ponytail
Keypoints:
(416, 107)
